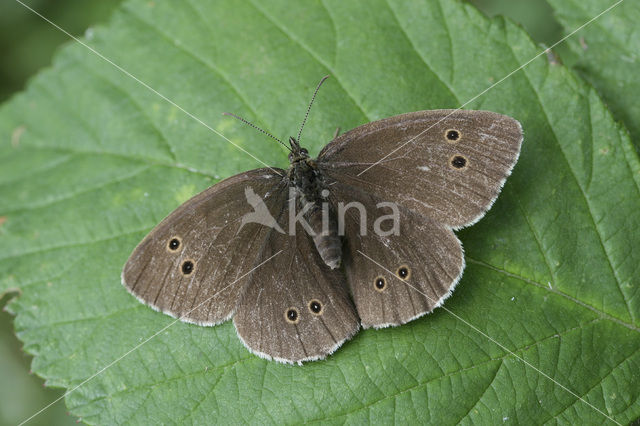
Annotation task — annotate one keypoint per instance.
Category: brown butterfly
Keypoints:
(297, 291)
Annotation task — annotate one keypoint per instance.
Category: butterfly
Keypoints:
(296, 257)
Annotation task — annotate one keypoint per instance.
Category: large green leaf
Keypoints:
(607, 53)
(90, 160)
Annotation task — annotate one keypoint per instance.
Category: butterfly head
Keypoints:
(297, 152)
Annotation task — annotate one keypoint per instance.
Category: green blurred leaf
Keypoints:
(536, 17)
(607, 53)
(22, 394)
(27, 42)
(90, 161)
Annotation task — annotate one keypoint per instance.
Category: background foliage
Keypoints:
(27, 44)
(531, 241)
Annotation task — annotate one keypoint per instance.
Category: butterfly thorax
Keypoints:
(311, 193)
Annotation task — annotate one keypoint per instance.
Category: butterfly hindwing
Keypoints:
(397, 271)
(293, 278)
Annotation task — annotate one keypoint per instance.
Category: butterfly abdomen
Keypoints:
(319, 215)
(326, 238)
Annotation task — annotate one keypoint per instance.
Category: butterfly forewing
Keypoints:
(451, 169)
(191, 265)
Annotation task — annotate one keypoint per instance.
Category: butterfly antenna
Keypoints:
(257, 128)
(309, 108)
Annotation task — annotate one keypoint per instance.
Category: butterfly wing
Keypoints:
(294, 308)
(451, 170)
(191, 265)
(396, 274)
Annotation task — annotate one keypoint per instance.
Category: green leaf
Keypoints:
(607, 53)
(90, 160)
